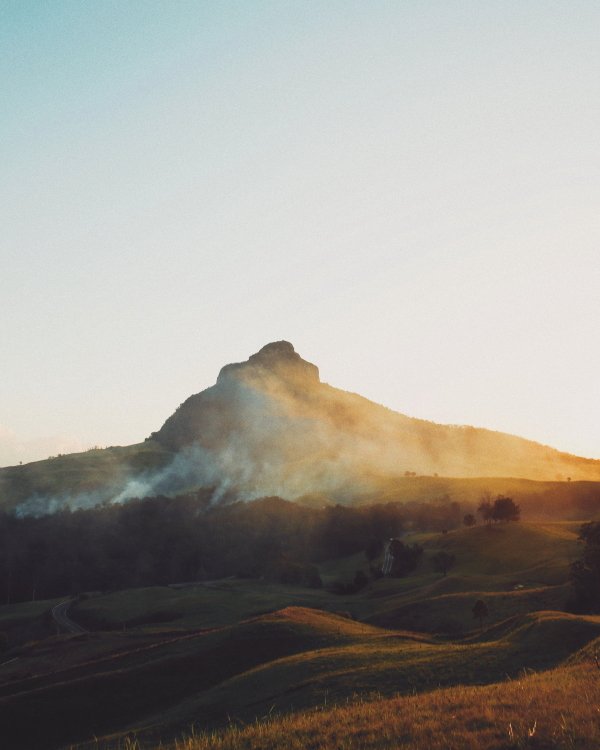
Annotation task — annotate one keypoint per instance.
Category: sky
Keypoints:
(409, 192)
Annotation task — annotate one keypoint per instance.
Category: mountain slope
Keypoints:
(270, 426)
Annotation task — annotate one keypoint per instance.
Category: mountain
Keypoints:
(271, 421)
(270, 426)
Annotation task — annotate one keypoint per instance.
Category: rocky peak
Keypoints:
(278, 358)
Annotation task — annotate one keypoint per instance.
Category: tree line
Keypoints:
(161, 540)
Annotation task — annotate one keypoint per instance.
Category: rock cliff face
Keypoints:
(246, 401)
(278, 359)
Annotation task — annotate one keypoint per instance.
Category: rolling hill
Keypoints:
(554, 710)
(275, 659)
(289, 660)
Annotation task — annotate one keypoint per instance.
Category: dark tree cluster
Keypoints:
(585, 573)
(405, 557)
(161, 540)
(503, 510)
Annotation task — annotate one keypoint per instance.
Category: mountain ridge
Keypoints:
(280, 373)
(269, 426)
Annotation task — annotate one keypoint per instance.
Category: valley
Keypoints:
(162, 662)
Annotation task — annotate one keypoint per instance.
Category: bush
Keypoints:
(405, 557)
(342, 587)
(443, 561)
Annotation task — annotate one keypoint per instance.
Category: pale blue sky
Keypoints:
(407, 191)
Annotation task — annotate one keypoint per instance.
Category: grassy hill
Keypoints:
(160, 659)
(85, 479)
(289, 660)
(27, 621)
(101, 693)
(335, 661)
(386, 664)
(514, 568)
(539, 500)
(555, 710)
(490, 561)
(90, 476)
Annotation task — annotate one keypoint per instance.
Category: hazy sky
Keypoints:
(408, 191)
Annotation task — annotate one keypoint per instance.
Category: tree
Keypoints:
(585, 573)
(443, 561)
(469, 520)
(505, 509)
(480, 611)
(486, 507)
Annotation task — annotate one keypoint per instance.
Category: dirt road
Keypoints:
(61, 618)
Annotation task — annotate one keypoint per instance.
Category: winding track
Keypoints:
(59, 613)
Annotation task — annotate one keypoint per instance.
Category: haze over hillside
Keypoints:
(269, 426)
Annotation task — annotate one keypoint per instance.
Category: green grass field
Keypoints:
(162, 659)
(488, 560)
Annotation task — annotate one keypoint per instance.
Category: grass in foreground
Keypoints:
(342, 659)
(557, 710)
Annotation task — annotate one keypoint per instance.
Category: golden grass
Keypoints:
(559, 709)
(332, 660)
